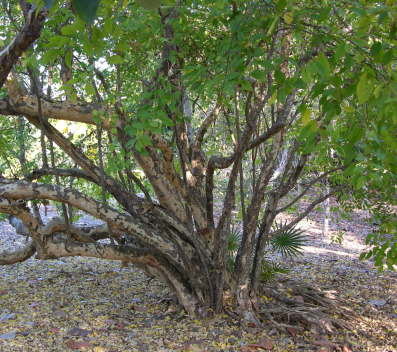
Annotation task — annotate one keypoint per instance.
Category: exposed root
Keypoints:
(300, 303)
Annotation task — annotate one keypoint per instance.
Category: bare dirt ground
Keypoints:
(95, 305)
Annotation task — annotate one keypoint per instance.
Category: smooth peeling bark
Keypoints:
(151, 260)
(21, 103)
(18, 256)
(24, 190)
(27, 35)
(243, 263)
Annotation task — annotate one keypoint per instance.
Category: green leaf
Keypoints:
(246, 85)
(279, 76)
(48, 3)
(341, 152)
(68, 58)
(376, 48)
(122, 46)
(108, 25)
(359, 11)
(259, 75)
(281, 96)
(323, 15)
(49, 55)
(272, 98)
(340, 52)
(73, 97)
(87, 47)
(349, 170)
(138, 146)
(362, 256)
(288, 17)
(306, 116)
(364, 90)
(86, 9)
(289, 243)
(306, 76)
(69, 30)
(115, 59)
(111, 147)
(335, 135)
(281, 4)
(220, 4)
(321, 155)
(348, 108)
(323, 67)
(361, 182)
(89, 88)
(388, 56)
(149, 4)
(167, 121)
(363, 25)
(299, 83)
(304, 133)
(146, 140)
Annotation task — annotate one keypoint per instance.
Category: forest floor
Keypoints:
(96, 305)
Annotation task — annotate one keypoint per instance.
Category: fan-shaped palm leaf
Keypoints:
(289, 243)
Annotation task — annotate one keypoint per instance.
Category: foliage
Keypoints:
(289, 243)
(247, 105)
(270, 270)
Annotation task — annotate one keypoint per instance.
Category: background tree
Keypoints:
(300, 92)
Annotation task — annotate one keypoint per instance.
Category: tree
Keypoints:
(295, 93)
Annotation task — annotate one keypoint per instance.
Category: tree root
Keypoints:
(295, 304)
(302, 303)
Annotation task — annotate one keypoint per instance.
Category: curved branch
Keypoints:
(20, 103)
(277, 126)
(77, 173)
(197, 159)
(284, 208)
(23, 190)
(28, 34)
(58, 225)
(308, 210)
(19, 255)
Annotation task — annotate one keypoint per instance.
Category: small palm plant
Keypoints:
(289, 243)
(233, 246)
(270, 270)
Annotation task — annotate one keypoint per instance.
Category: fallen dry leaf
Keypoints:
(79, 332)
(77, 345)
(264, 343)
(326, 344)
(54, 330)
(140, 309)
(119, 326)
(293, 331)
(248, 349)
(346, 349)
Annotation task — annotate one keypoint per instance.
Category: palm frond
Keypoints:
(270, 270)
(234, 239)
(289, 243)
(230, 262)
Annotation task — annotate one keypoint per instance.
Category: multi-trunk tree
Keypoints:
(265, 100)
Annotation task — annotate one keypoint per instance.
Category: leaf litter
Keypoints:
(87, 304)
